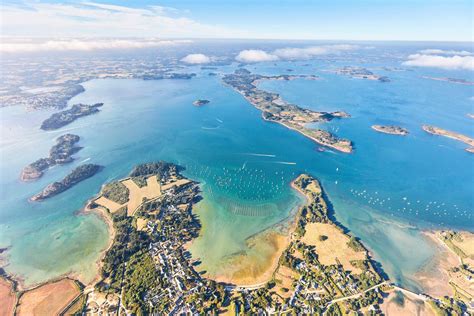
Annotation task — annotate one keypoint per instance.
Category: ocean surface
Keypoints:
(386, 192)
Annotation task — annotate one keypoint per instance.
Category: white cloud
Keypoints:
(196, 59)
(91, 19)
(28, 46)
(433, 51)
(309, 52)
(292, 53)
(255, 56)
(445, 62)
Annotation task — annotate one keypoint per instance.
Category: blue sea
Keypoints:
(386, 192)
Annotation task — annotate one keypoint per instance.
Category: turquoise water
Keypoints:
(384, 192)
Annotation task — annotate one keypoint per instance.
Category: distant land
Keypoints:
(60, 119)
(452, 80)
(77, 175)
(390, 129)
(361, 73)
(60, 153)
(274, 109)
(449, 134)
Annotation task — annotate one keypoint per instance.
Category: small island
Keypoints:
(361, 73)
(276, 110)
(201, 102)
(77, 175)
(451, 80)
(60, 153)
(60, 119)
(449, 134)
(390, 129)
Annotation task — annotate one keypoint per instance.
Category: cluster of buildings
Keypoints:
(51, 83)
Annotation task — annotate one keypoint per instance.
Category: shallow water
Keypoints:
(383, 192)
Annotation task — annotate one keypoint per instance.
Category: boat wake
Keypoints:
(259, 155)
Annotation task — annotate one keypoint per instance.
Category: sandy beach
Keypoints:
(105, 216)
(434, 278)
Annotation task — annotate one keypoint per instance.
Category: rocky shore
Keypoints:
(60, 119)
(292, 116)
(60, 153)
(390, 129)
(77, 175)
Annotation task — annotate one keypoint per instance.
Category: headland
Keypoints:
(318, 266)
(274, 109)
(449, 134)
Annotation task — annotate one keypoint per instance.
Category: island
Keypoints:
(201, 102)
(451, 80)
(147, 269)
(361, 73)
(77, 175)
(60, 153)
(274, 109)
(449, 134)
(390, 129)
(60, 119)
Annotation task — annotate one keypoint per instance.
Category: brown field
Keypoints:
(108, 204)
(7, 298)
(151, 191)
(335, 247)
(286, 276)
(410, 307)
(141, 223)
(48, 299)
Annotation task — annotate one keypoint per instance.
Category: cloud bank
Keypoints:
(445, 62)
(31, 18)
(195, 59)
(255, 56)
(433, 51)
(309, 52)
(29, 46)
(292, 53)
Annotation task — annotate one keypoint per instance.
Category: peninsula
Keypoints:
(390, 129)
(449, 134)
(77, 175)
(276, 110)
(60, 119)
(60, 153)
(147, 269)
(201, 102)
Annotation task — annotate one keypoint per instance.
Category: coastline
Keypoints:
(345, 148)
(341, 149)
(434, 277)
(105, 216)
(278, 239)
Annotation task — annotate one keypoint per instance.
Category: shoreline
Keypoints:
(105, 216)
(344, 148)
(270, 235)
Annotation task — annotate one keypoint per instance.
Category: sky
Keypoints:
(412, 20)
